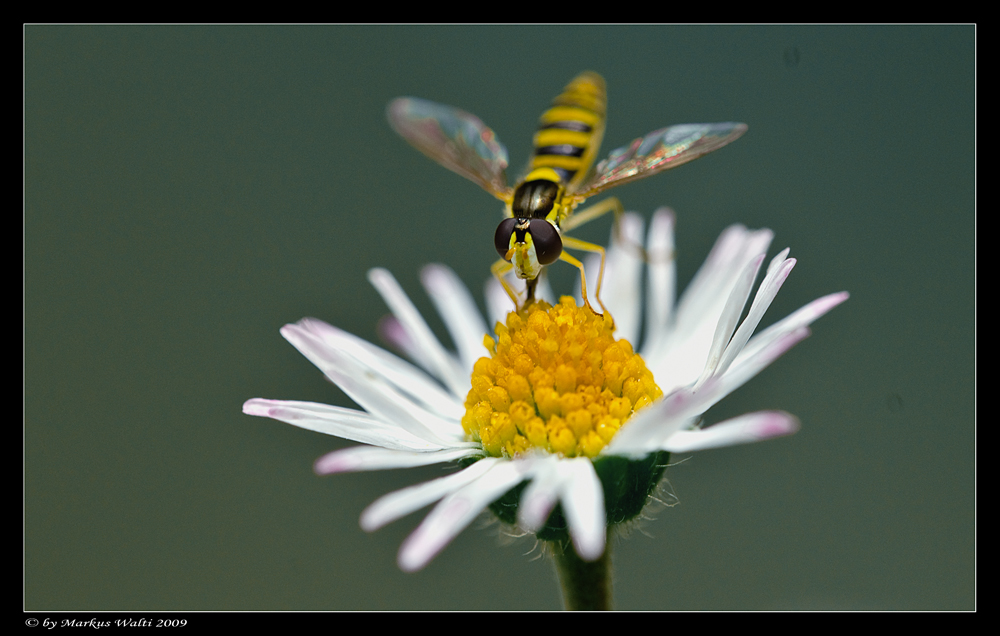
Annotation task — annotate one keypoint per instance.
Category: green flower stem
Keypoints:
(586, 585)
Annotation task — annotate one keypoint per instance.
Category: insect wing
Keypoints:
(455, 139)
(660, 150)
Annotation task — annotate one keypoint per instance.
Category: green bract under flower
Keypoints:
(627, 486)
(557, 381)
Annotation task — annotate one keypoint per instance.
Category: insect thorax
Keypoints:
(539, 196)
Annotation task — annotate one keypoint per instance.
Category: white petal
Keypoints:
(706, 295)
(651, 427)
(796, 320)
(543, 291)
(661, 285)
(498, 303)
(621, 288)
(370, 391)
(777, 261)
(409, 379)
(680, 358)
(643, 433)
(583, 502)
(400, 503)
(541, 495)
(356, 426)
(458, 310)
(392, 332)
(454, 513)
(656, 424)
(433, 357)
(362, 458)
(731, 315)
(748, 367)
(752, 427)
(775, 278)
(576, 484)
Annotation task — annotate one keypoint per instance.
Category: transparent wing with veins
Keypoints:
(659, 150)
(454, 138)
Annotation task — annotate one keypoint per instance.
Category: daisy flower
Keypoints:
(564, 429)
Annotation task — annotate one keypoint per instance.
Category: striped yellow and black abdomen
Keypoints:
(569, 133)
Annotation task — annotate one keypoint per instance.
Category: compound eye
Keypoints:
(501, 240)
(548, 244)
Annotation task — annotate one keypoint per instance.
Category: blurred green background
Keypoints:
(188, 190)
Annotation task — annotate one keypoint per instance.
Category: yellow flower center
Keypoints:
(556, 380)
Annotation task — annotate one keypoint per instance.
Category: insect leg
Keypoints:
(589, 213)
(577, 244)
(611, 204)
(500, 269)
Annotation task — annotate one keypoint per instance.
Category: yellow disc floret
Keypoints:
(557, 380)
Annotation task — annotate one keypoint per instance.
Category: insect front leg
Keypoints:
(500, 270)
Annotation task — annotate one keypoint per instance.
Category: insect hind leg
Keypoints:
(591, 212)
(577, 244)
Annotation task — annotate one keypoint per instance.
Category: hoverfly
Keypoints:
(540, 208)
